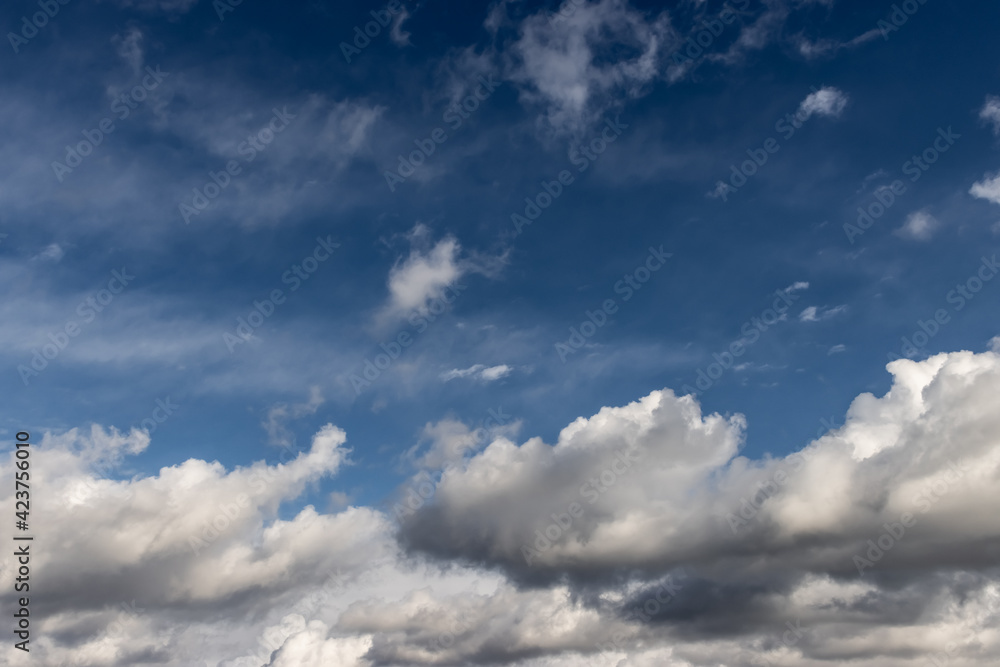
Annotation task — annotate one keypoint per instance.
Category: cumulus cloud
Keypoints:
(990, 113)
(641, 537)
(449, 440)
(510, 491)
(988, 188)
(826, 101)
(182, 544)
(503, 627)
(818, 622)
(309, 646)
(662, 486)
(919, 226)
(431, 274)
(422, 277)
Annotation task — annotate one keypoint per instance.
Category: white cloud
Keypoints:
(818, 313)
(826, 101)
(503, 626)
(836, 349)
(478, 371)
(429, 276)
(576, 67)
(496, 372)
(666, 481)
(423, 276)
(399, 36)
(672, 500)
(988, 188)
(827, 47)
(565, 629)
(193, 538)
(990, 113)
(461, 373)
(163, 534)
(919, 225)
(808, 315)
(51, 253)
(451, 440)
(580, 59)
(310, 646)
(509, 491)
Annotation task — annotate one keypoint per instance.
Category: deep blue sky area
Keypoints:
(871, 100)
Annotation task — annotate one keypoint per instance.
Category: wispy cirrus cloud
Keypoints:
(818, 313)
(478, 372)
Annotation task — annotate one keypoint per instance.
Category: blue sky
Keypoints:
(164, 336)
(643, 128)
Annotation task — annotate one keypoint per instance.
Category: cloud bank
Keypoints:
(641, 536)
